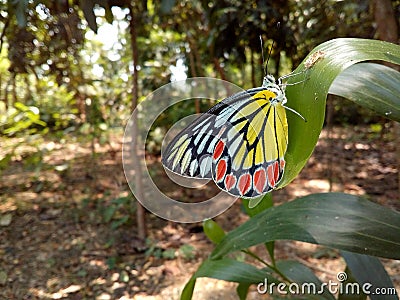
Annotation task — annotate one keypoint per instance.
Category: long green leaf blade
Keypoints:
(229, 270)
(336, 220)
(232, 270)
(187, 292)
(370, 273)
(309, 97)
(305, 279)
(373, 86)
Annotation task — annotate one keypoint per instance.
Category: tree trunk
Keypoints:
(193, 71)
(140, 211)
(14, 89)
(253, 72)
(387, 30)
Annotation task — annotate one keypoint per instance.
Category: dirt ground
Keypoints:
(67, 226)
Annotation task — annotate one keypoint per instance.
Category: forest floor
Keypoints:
(68, 230)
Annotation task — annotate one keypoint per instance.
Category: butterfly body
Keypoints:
(240, 142)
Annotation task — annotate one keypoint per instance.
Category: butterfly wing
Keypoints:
(190, 152)
(248, 160)
(239, 143)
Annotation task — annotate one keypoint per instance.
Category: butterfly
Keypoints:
(239, 143)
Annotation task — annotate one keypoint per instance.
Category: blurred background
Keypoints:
(71, 73)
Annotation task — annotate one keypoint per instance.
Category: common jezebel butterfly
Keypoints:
(240, 142)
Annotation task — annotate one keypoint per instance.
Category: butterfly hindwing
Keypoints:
(248, 160)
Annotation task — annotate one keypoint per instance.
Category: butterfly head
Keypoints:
(274, 86)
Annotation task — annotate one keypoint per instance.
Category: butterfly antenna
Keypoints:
(295, 112)
(269, 56)
(262, 55)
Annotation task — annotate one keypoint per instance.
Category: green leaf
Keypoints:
(229, 270)
(166, 6)
(187, 251)
(3, 277)
(349, 287)
(20, 8)
(213, 231)
(232, 270)
(117, 223)
(242, 290)
(187, 292)
(336, 220)
(21, 106)
(264, 202)
(87, 7)
(306, 280)
(109, 213)
(373, 86)
(309, 97)
(369, 271)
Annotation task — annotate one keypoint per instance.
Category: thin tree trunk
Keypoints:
(3, 33)
(6, 90)
(253, 72)
(14, 89)
(219, 69)
(387, 30)
(193, 71)
(140, 212)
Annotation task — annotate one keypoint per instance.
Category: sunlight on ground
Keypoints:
(300, 187)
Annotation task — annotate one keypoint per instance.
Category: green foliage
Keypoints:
(202, 35)
(20, 118)
(213, 231)
(314, 22)
(332, 219)
(118, 212)
(378, 88)
(30, 151)
(19, 7)
(52, 109)
(360, 267)
(187, 251)
(154, 250)
(359, 227)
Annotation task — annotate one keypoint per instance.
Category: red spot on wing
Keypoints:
(218, 150)
(282, 161)
(230, 182)
(244, 183)
(260, 180)
(220, 170)
(271, 178)
(276, 171)
(273, 172)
